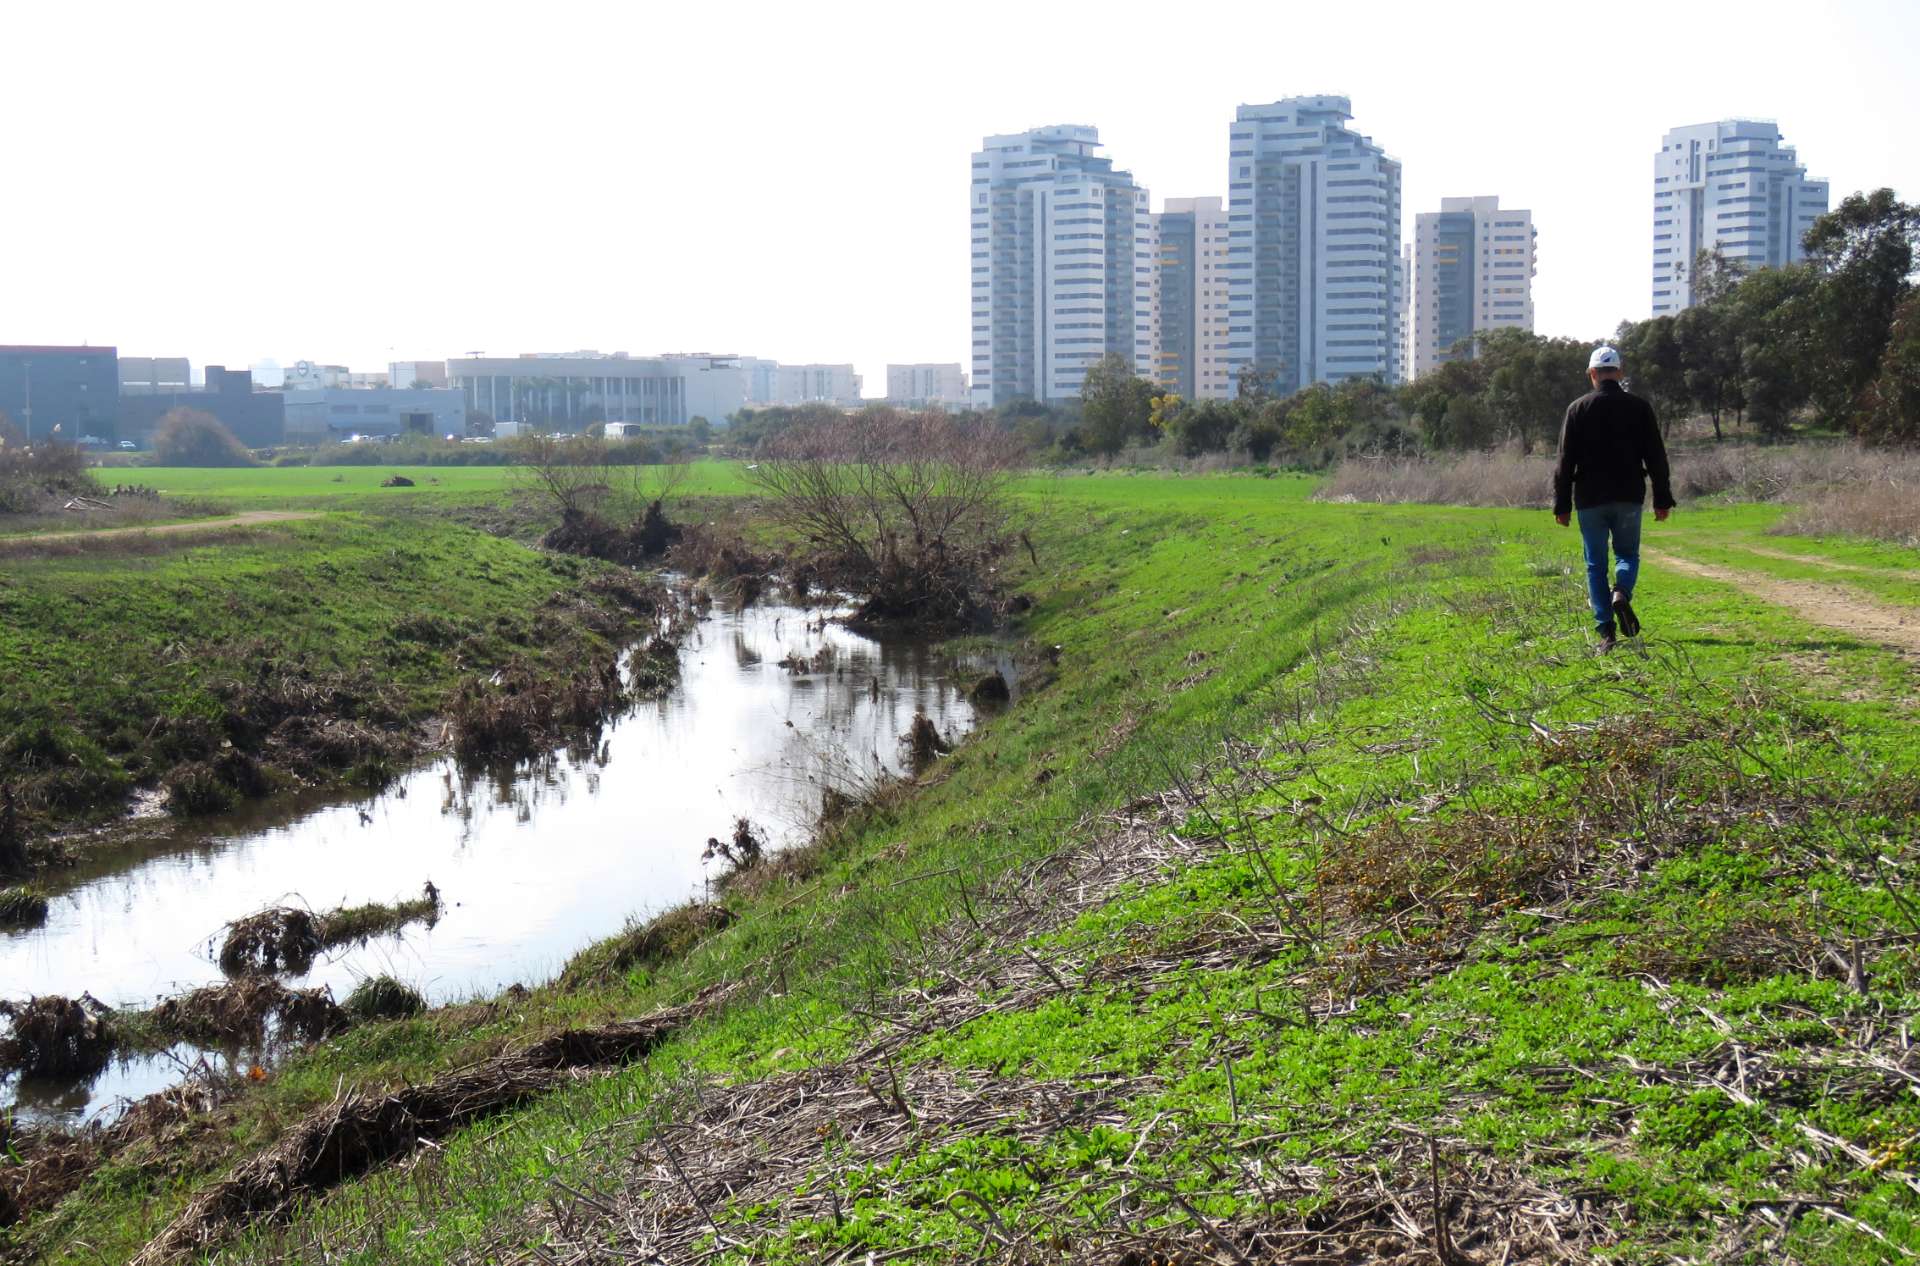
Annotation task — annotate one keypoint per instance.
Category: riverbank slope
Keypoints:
(210, 666)
(1325, 895)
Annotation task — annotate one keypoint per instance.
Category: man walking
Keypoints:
(1609, 444)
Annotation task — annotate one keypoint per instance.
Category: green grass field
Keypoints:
(1394, 884)
(308, 487)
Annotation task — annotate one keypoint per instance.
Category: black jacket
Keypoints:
(1609, 443)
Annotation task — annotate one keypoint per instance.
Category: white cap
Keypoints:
(1603, 358)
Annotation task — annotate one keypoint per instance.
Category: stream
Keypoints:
(532, 863)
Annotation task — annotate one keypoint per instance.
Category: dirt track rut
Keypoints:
(249, 519)
(1833, 606)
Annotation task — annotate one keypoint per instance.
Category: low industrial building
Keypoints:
(318, 415)
(73, 392)
(155, 375)
(257, 419)
(417, 373)
(572, 392)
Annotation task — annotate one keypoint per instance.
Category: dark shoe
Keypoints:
(1606, 645)
(1623, 615)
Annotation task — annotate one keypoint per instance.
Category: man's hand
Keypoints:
(1564, 519)
(1660, 516)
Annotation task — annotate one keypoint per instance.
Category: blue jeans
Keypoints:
(1621, 521)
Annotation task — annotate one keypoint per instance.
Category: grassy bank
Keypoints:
(223, 663)
(1321, 871)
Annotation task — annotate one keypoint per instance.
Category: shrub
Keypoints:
(190, 437)
(384, 998)
(28, 476)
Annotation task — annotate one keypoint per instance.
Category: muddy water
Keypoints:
(532, 862)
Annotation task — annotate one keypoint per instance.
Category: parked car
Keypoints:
(128, 446)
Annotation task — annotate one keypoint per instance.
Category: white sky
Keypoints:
(357, 183)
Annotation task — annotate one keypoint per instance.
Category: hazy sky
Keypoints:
(358, 183)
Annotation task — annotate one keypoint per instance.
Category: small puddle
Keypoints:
(533, 863)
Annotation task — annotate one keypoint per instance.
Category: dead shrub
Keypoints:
(924, 743)
(990, 691)
(520, 711)
(744, 850)
(907, 511)
(30, 476)
(288, 938)
(283, 939)
(54, 1036)
(242, 1011)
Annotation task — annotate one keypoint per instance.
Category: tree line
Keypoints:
(1831, 343)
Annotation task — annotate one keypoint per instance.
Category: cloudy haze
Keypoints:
(362, 183)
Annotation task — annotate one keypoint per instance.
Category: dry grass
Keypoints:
(241, 1011)
(1884, 508)
(1475, 479)
(1828, 473)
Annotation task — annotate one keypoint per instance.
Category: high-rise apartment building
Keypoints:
(1064, 267)
(1191, 360)
(1314, 272)
(1729, 186)
(1473, 268)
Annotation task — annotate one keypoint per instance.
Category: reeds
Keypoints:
(22, 907)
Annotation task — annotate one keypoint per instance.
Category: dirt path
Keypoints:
(1891, 573)
(1828, 605)
(249, 519)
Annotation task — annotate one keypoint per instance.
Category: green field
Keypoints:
(305, 487)
(1321, 864)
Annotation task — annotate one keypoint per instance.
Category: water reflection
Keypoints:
(534, 861)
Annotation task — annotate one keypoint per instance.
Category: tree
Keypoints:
(1435, 403)
(1715, 276)
(1116, 407)
(1651, 351)
(573, 474)
(192, 437)
(1890, 407)
(1771, 320)
(1256, 383)
(1707, 340)
(1530, 379)
(1863, 254)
